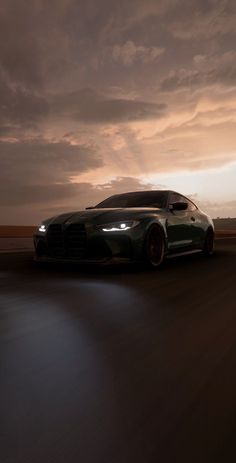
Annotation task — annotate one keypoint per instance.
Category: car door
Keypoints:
(197, 231)
(179, 225)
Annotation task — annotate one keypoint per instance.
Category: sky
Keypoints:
(101, 97)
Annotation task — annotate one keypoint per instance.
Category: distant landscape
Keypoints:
(225, 224)
(16, 231)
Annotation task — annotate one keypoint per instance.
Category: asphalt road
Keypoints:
(116, 364)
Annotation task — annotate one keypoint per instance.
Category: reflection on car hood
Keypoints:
(104, 215)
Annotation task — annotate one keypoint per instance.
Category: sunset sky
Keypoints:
(101, 96)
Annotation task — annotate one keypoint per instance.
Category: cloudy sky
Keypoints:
(99, 97)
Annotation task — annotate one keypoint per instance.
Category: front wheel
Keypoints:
(208, 248)
(154, 247)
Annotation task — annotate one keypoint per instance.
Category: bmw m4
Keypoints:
(143, 226)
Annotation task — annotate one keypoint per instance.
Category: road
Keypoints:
(116, 364)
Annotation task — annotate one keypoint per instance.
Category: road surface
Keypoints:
(116, 364)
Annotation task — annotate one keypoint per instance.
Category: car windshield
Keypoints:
(136, 199)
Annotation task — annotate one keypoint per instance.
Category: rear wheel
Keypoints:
(208, 248)
(154, 249)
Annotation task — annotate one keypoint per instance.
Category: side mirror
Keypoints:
(180, 206)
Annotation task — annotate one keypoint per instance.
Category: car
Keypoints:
(141, 226)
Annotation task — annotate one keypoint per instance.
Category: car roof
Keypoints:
(145, 191)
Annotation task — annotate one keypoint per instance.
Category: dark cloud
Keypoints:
(181, 79)
(72, 195)
(201, 19)
(205, 71)
(19, 106)
(19, 48)
(5, 130)
(39, 160)
(43, 43)
(18, 195)
(88, 106)
(32, 171)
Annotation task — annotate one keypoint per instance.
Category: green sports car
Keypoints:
(143, 226)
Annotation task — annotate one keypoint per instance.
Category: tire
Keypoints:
(154, 247)
(208, 248)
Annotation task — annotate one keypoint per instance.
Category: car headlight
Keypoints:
(42, 228)
(118, 226)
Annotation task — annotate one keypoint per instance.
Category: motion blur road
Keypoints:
(117, 364)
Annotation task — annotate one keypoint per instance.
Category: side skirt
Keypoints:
(183, 253)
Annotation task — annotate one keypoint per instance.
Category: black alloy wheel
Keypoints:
(208, 249)
(154, 247)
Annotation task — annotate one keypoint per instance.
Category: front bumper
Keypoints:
(99, 247)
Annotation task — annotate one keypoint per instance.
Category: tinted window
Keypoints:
(136, 199)
(175, 198)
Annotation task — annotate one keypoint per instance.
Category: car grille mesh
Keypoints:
(67, 241)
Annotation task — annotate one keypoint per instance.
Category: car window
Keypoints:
(136, 199)
(175, 198)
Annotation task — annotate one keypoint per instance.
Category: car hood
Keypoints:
(100, 216)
